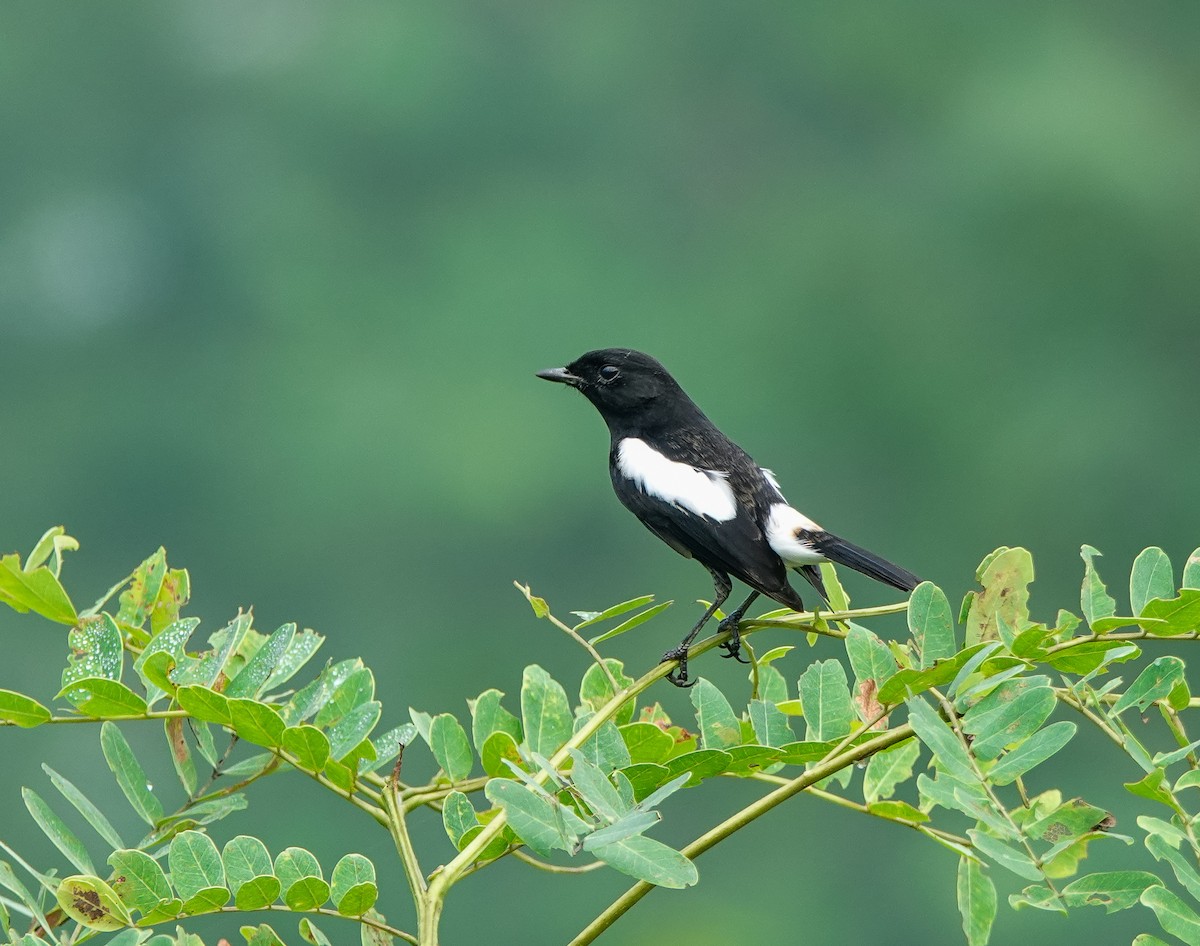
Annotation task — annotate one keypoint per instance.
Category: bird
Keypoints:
(704, 496)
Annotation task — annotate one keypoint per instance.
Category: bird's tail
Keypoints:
(841, 552)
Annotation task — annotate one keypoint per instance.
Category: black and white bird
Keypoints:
(703, 495)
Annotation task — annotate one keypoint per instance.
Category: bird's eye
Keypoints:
(609, 373)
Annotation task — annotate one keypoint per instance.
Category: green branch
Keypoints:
(742, 818)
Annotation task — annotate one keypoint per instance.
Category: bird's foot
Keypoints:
(678, 676)
(733, 646)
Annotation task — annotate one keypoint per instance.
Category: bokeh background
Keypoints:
(275, 278)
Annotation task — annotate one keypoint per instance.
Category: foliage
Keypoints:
(948, 728)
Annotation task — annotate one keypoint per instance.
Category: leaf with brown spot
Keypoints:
(868, 705)
(92, 903)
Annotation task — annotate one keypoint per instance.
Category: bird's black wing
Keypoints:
(735, 546)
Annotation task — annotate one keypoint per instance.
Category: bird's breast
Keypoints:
(702, 492)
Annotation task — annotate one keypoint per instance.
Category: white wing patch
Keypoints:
(783, 523)
(704, 492)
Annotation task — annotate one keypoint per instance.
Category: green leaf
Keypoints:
(545, 712)
(595, 690)
(719, 727)
(246, 858)
(825, 695)
(598, 617)
(252, 679)
(870, 658)
(1094, 599)
(21, 710)
(771, 727)
(138, 880)
(1114, 890)
(1154, 683)
(1177, 615)
(894, 810)
(91, 902)
(649, 860)
(1087, 657)
(632, 824)
(100, 697)
(84, 806)
(356, 689)
(1174, 915)
(131, 777)
(640, 618)
(450, 747)
(261, 935)
(646, 742)
(701, 764)
(935, 732)
(57, 831)
(195, 864)
(1005, 576)
(1004, 855)
(310, 934)
(1185, 873)
(162, 654)
(1032, 752)
(458, 816)
(96, 651)
(976, 901)
(304, 644)
(1068, 821)
(300, 877)
(208, 900)
(1152, 577)
(256, 722)
(1010, 713)
(37, 590)
(352, 885)
(931, 624)
(208, 667)
(911, 682)
(605, 747)
(1038, 896)
(887, 769)
(488, 716)
(204, 704)
(353, 728)
(144, 586)
(1191, 571)
(1145, 939)
(308, 745)
(595, 789)
(499, 748)
(50, 547)
(540, 822)
(1150, 787)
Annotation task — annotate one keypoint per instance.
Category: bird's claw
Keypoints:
(678, 676)
(733, 646)
(733, 649)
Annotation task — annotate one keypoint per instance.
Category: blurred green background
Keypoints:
(275, 278)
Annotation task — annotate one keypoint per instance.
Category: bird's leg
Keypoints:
(733, 646)
(721, 588)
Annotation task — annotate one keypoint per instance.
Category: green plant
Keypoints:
(570, 785)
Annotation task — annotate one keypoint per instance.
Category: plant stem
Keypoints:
(742, 818)
(398, 828)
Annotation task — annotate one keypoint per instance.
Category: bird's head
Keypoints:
(629, 388)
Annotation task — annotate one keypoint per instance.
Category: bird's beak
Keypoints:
(562, 376)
